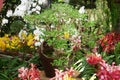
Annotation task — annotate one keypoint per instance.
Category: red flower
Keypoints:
(109, 40)
(94, 59)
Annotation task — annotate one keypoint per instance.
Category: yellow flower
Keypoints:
(66, 77)
(14, 42)
(2, 44)
(30, 36)
(71, 78)
(30, 42)
(24, 35)
(66, 35)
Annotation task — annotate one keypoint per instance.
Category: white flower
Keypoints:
(29, 12)
(66, 1)
(93, 77)
(40, 2)
(9, 13)
(23, 8)
(4, 21)
(34, 4)
(37, 32)
(69, 21)
(41, 40)
(37, 37)
(43, 29)
(37, 44)
(38, 8)
(22, 33)
(20, 11)
(38, 12)
(82, 10)
(33, 9)
(52, 26)
(79, 37)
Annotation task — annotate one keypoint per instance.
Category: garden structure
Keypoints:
(59, 40)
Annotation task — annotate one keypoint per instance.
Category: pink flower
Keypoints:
(23, 72)
(94, 50)
(76, 43)
(34, 73)
(60, 75)
(29, 74)
(108, 72)
(94, 59)
(70, 72)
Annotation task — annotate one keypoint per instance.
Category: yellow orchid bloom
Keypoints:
(30, 36)
(2, 45)
(30, 42)
(66, 35)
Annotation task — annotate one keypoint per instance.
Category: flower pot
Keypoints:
(46, 61)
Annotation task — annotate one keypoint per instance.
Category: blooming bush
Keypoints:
(61, 25)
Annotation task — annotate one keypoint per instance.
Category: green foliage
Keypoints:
(101, 15)
(117, 53)
(115, 11)
(16, 26)
(9, 5)
(54, 15)
(113, 56)
(9, 67)
(86, 70)
(59, 63)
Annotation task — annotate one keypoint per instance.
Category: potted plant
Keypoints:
(62, 24)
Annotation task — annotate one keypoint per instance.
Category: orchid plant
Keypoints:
(24, 42)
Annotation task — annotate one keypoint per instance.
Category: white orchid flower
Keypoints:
(4, 21)
(82, 10)
(9, 13)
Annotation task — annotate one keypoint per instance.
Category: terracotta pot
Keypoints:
(46, 61)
